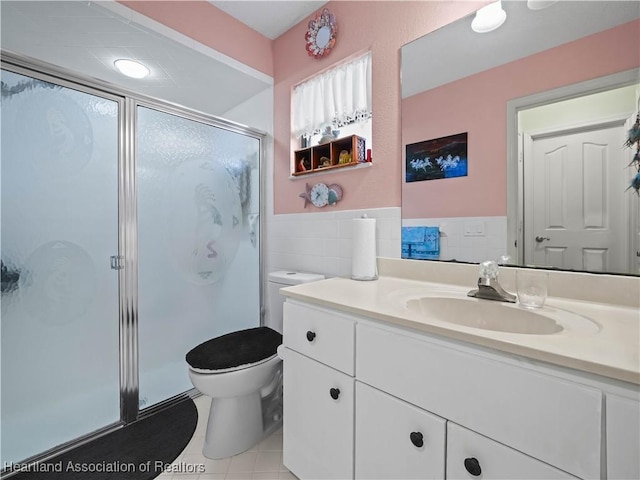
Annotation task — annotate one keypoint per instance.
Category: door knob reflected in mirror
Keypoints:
(541, 239)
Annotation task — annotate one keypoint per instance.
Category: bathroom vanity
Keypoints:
(376, 389)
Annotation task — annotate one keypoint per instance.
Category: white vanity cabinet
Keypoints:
(548, 418)
(395, 439)
(623, 437)
(318, 428)
(416, 405)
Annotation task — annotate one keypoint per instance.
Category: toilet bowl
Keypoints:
(242, 374)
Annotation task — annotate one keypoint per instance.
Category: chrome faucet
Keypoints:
(488, 286)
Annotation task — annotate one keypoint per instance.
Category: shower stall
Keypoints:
(130, 233)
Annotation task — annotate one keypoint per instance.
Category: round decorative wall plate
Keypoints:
(320, 195)
(321, 35)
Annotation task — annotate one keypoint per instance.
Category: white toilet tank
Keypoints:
(276, 281)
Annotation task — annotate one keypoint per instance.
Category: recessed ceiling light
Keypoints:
(489, 18)
(131, 68)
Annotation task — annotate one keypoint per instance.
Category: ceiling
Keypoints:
(270, 18)
(86, 37)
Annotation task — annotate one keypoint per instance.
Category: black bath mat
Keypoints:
(140, 451)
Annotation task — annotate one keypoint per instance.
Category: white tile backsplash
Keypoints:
(321, 242)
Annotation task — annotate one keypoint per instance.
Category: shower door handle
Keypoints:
(117, 262)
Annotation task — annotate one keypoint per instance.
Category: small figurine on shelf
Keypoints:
(301, 165)
(345, 157)
(324, 162)
(327, 135)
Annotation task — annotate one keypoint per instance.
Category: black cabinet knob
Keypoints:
(416, 439)
(311, 335)
(335, 393)
(473, 466)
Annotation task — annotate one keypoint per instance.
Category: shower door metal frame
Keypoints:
(128, 101)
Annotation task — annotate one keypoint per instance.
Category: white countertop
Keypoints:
(613, 351)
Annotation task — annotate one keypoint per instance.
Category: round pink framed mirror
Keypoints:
(321, 34)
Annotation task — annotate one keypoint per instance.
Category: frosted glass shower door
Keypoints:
(198, 243)
(59, 200)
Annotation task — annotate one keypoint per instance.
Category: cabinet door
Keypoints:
(623, 438)
(318, 419)
(470, 455)
(395, 440)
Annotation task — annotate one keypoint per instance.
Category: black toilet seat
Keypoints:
(235, 350)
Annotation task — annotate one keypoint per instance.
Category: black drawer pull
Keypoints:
(335, 393)
(416, 439)
(473, 466)
(311, 335)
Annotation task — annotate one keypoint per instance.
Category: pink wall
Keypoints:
(477, 105)
(210, 26)
(382, 27)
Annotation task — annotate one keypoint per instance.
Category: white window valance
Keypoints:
(337, 97)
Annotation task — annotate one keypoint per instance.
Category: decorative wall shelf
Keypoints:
(327, 157)
(327, 171)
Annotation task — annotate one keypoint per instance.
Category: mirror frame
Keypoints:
(324, 19)
(514, 204)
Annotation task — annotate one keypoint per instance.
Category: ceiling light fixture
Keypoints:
(131, 68)
(489, 18)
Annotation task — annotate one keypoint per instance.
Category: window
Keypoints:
(337, 98)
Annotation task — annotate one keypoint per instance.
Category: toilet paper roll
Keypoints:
(363, 253)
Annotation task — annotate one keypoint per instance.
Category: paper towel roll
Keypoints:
(363, 253)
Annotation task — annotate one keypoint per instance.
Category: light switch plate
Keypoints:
(474, 229)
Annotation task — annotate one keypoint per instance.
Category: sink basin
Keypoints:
(499, 316)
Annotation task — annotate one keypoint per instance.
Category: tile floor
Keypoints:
(262, 462)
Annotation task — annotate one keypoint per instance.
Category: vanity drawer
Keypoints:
(552, 419)
(319, 334)
(396, 440)
(470, 455)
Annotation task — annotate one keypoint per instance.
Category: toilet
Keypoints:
(242, 374)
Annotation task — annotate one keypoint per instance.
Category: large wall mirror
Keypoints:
(513, 140)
